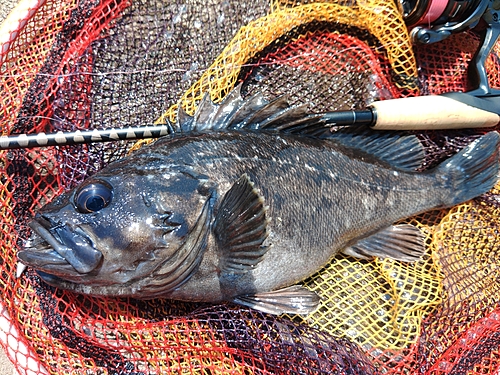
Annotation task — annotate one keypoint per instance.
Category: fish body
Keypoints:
(233, 215)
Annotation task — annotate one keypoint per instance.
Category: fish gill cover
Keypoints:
(82, 64)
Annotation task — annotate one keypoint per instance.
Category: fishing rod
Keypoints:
(84, 136)
(448, 111)
(454, 110)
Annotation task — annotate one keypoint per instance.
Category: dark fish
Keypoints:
(247, 199)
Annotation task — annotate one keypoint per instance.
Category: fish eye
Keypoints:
(93, 197)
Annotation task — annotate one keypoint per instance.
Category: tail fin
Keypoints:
(474, 170)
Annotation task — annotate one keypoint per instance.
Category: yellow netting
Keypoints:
(380, 18)
(467, 247)
(379, 304)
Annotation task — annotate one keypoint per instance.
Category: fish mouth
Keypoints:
(59, 249)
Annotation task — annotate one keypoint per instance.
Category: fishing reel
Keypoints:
(432, 21)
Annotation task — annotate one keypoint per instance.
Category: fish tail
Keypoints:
(473, 171)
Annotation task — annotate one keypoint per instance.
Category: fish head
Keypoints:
(119, 229)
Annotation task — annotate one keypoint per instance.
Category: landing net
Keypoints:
(85, 64)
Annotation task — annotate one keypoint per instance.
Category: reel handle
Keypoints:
(476, 74)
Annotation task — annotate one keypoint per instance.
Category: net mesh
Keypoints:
(82, 64)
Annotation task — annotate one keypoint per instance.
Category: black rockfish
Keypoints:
(245, 200)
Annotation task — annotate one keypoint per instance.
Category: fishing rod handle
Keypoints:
(430, 112)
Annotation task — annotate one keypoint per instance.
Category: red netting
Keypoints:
(94, 64)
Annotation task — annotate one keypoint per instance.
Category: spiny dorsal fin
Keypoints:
(404, 152)
(241, 227)
(294, 299)
(240, 117)
(268, 111)
(400, 242)
(252, 113)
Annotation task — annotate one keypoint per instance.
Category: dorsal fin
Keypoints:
(241, 227)
(404, 152)
(267, 111)
(252, 113)
(240, 117)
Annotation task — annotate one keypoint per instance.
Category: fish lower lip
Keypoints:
(42, 258)
(73, 246)
(48, 277)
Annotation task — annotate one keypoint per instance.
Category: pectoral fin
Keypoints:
(241, 227)
(291, 300)
(400, 242)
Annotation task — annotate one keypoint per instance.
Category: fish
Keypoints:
(246, 199)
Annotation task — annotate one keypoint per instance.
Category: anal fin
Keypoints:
(294, 299)
(400, 242)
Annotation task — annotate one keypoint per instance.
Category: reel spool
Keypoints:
(432, 21)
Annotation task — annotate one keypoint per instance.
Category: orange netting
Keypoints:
(80, 64)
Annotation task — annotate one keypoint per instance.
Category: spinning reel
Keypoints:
(432, 21)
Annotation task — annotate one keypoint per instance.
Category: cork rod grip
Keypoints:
(430, 112)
